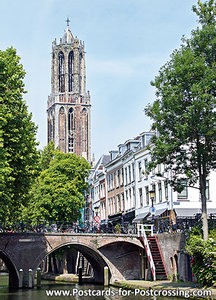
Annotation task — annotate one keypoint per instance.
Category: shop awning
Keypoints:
(160, 212)
(141, 216)
(129, 215)
(192, 212)
(114, 218)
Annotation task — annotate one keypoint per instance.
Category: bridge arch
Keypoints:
(12, 270)
(97, 260)
(126, 256)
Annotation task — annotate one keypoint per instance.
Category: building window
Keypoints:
(109, 210)
(153, 188)
(148, 138)
(184, 192)
(130, 200)
(134, 196)
(114, 206)
(70, 71)
(117, 178)
(129, 173)
(147, 195)
(126, 176)
(80, 72)
(160, 191)
(118, 203)
(61, 72)
(133, 172)
(126, 198)
(110, 206)
(140, 170)
(71, 130)
(140, 197)
(122, 201)
(113, 185)
(111, 181)
(146, 166)
(84, 118)
(122, 176)
(166, 189)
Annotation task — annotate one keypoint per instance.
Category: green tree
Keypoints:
(47, 155)
(18, 153)
(184, 113)
(58, 194)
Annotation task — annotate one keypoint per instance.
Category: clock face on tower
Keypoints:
(69, 103)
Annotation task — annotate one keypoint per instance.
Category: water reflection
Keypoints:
(52, 290)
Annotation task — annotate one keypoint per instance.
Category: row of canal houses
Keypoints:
(119, 189)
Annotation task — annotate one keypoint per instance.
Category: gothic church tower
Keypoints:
(69, 103)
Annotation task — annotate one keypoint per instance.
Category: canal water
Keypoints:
(62, 291)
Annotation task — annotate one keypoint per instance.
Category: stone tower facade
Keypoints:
(69, 103)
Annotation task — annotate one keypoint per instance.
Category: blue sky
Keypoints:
(126, 43)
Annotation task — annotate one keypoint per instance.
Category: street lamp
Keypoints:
(152, 197)
(96, 210)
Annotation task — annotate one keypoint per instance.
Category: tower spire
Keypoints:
(67, 21)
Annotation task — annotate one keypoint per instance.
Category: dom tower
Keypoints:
(69, 103)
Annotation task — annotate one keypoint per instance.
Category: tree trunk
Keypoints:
(204, 207)
(202, 187)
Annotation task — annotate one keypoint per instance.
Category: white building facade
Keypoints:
(125, 186)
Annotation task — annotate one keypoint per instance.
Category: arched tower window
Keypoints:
(70, 71)
(71, 130)
(80, 73)
(85, 131)
(61, 72)
(62, 129)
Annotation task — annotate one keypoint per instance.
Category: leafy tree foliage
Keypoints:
(47, 155)
(58, 194)
(184, 113)
(18, 154)
(203, 254)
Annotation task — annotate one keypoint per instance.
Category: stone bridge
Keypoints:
(121, 253)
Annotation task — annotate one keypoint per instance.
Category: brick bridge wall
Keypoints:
(177, 263)
(121, 253)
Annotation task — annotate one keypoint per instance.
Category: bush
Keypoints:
(203, 259)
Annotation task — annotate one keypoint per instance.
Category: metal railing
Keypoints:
(141, 230)
(62, 227)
